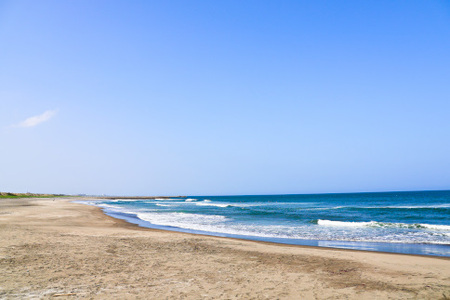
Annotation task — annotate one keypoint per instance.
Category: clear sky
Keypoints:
(224, 97)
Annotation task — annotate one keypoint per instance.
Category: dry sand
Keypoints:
(55, 248)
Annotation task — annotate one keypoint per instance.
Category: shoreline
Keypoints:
(420, 249)
(381, 247)
(268, 242)
(54, 246)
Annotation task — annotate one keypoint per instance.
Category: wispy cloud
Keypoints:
(36, 120)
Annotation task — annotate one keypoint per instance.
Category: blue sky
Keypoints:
(224, 97)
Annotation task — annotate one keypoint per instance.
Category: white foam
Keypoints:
(182, 220)
(190, 200)
(436, 227)
(104, 205)
(208, 203)
(215, 223)
(124, 200)
(405, 206)
(344, 224)
(300, 206)
(382, 224)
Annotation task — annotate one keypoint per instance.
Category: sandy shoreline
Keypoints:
(57, 248)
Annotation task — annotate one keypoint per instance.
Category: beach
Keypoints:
(55, 248)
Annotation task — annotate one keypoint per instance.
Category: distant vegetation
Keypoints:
(28, 195)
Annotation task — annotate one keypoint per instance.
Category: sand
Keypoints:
(55, 248)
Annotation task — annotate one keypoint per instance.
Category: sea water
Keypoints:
(402, 222)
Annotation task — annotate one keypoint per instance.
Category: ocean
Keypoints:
(398, 222)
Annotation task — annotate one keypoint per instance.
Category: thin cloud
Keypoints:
(36, 120)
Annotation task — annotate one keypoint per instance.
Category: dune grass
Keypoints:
(28, 195)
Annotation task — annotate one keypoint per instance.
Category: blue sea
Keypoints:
(399, 222)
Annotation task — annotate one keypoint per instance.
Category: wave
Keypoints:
(382, 224)
(124, 200)
(117, 208)
(246, 219)
(439, 206)
(182, 220)
(104, 205)
(190, 200)
(213, 223)
(205, 203)
(223, 225)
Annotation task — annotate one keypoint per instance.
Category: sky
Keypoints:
(224, 97)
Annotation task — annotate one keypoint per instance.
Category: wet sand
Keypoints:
(55, 248)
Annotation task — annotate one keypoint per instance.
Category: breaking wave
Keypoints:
(382, 224)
